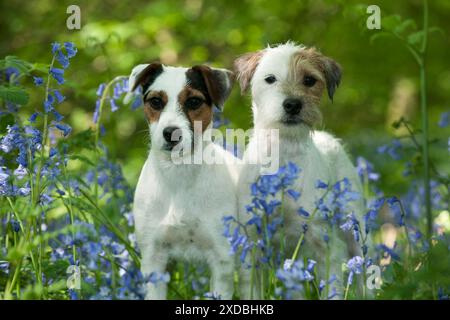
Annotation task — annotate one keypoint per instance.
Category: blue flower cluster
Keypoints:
(294, 276)
(61, 53)
(119, 89)
(264, 216)
(107, 270)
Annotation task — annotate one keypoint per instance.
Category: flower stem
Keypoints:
(346, 290)
(424, 111)
(103, 98)
(300, 240)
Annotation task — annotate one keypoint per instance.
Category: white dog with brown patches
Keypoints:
(287, 82)
(178, 208)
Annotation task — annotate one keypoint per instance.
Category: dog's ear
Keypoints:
(333, 73)
(245, 67)
(218, 83)
(144, 75)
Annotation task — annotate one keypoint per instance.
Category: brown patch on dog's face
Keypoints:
(154, 103)
(194, 104)
(310, 73)
(245, 67)
(313, 72)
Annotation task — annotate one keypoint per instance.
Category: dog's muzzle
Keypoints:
(172, 136)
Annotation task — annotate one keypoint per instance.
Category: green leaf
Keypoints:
(379, 35)
(41, 67)
(14, 62)
(81, 158)
(14, 95)
(405, 25)
(415, 38)
(391, 22)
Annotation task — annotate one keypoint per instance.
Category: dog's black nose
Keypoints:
(171, 136)
(292, 106)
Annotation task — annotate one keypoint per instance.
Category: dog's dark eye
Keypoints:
(193, 103)
(270, 79)
(156, 103)
(309, 81)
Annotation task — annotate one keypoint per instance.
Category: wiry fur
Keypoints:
(317, 153)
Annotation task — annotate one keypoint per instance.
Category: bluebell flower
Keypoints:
(48, 103)
(355, 266)
(130, 218)
(257, 222)
(388, 251)
(303, 212)
(45, 199)
(100, 89)
(23, 191)
(11, 139)
(392, 200)
(288, 264)
(246, 248)
(59, 97)
(325, 235)
(212, 296)
(11, 73)
(4, 266)
(65, 128)
(392, 149)
(38, 81)
(335, 203)
(372, 214)
(34, 138)
(137, 102)
(293, 194)
(55, 47)
(117, 90)
(366, 169)
(311, 265)
(73, 294)
(322, 285)
(113, 104)
(444, 120)
(57, 74)
(62, 59)
(156, 277)
(218, 119)
(293, 278)
(96, 112)
(321, 185)
(5, 184)
(71, 50)
(329, 282)
(20, 172)
(15, 225)
(442, 295)
(33, 117)
(58, 117)
(351, 224)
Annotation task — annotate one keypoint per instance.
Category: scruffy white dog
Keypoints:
(287, 82)
(179, 206)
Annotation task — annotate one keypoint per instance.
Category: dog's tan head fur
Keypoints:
(287, 75)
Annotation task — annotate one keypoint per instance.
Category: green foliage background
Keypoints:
(116, 35)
